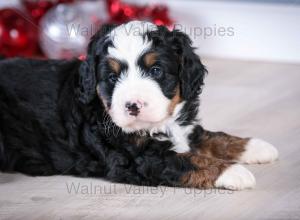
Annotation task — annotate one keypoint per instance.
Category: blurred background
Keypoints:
(267, 30)
(251, 49)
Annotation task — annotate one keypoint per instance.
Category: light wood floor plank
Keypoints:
(243, 98)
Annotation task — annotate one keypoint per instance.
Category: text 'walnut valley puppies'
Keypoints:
(128, 113)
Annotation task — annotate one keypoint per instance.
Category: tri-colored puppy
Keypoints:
(129, 113)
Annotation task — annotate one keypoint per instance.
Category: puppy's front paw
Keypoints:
(236, 177)
(258, 151)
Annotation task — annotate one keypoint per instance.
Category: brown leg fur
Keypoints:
(206, 173)
(221, 145)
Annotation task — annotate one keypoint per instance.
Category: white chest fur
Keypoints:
(177, 134)
(179, 137)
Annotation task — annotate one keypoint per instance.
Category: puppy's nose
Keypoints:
(133, 108)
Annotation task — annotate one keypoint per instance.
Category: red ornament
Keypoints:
(122, 12)
(18, 36)
(37, 8)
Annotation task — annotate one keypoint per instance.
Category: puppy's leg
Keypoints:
(181, 170)
(228, 147)
(212, 172)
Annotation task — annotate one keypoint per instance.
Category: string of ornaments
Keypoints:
(61, 29)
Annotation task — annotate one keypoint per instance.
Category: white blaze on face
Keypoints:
(129, 45)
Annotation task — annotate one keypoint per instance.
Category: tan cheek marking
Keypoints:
(150, 59)
(175, 100)
(114, 65)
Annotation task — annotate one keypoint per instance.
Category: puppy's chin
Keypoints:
(131, 124)
(137, 126)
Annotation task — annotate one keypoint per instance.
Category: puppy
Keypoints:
(128, 113)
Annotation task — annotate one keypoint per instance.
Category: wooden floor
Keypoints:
(242, 98)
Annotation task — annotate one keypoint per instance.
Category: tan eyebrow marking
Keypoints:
(115, 65)
(150, 59)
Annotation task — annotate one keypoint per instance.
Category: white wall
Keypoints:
(268, 32)
(7, 3)
(253, 31)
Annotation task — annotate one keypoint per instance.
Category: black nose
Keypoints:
(132, 108)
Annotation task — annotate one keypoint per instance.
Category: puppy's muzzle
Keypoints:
(133, 108)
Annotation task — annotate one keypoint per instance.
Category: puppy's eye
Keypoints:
(113, 78)
(155, 71)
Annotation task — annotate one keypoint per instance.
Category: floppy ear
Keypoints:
(88, 68)
(192, 71)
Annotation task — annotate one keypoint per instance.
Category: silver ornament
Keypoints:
(65, 32)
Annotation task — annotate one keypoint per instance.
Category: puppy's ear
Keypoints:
(88, 68)
(192, 71)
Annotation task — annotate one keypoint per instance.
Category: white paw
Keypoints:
(236, 177)
(258, 151)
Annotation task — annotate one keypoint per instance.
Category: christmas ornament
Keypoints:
(122, 12)
(66, 30)
(38, 8)
(18, 35)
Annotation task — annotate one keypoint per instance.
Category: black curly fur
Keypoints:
(52, 121)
